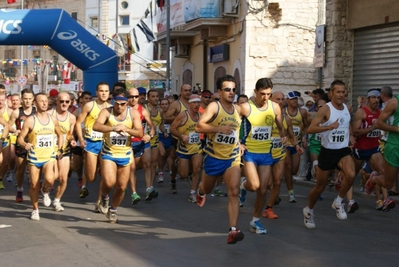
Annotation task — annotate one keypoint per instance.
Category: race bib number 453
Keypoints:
(261, 133)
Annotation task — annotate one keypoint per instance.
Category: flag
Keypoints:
(161, 3)
(11, 1)
(130, 48)
(146, 30)
(135, 40)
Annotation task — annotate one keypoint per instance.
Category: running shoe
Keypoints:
(46, 199)
(104, 205)
(234, 236)
(219, 193)
(388, 205)
(10, 176)
(291, 198)
(269, 213)
(160, 177)
(243, 193)
(192, 198)
(35, 215)
(340, 210)
(369, 184)
(150, 194)
(57, 206)
(135, 198)
(257, 228)
(84, 192)
(173, 188)
(111, 215)
(379, 205)
(200, 199)
(352, 207)
(2, 185)
(97, 207)
(308, 218)
(19, 197)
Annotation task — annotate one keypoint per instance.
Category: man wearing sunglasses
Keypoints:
(299, 120)
(141, 146)
(66, 123)
(91, 140)
(259, 115)
(118, 124)
(221, 123)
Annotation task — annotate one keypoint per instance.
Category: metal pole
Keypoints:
(22, 52)
(168, 45)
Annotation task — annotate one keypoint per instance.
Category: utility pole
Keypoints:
(168, 45)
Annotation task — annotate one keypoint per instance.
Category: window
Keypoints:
(74, 15)
(124, 20)
(94, 22)
(124, 4)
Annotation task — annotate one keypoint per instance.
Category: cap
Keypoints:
(53, 93)
(194, 98)
(292, 95)
(142, 90)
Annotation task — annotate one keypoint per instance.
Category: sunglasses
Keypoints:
(319, 106)
(120, 104)
(229, 89)
(207, 97)
(217, 99)
(65, 101)
(133, 96)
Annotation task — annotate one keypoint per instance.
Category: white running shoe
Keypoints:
(46, 199)
(35, 215)
(340, 210)
(308, 218)
(57, 206)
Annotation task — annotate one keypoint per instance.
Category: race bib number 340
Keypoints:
(226, 139)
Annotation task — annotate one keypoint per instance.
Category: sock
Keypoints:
(112, 208)
(291, 192)
(242, 185)
(254, 219)
(148, 189)
(56, 200)
(338, 200)
(160, 173)
(192, 192)
(310, 210)
(83, 186)
(20, 189)
(233, 228)
(315, 162)
(351, 201)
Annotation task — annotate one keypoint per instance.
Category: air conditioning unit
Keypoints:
(182, 50)
(230, 8)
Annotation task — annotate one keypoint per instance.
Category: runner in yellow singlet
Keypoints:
(189, 147)
(92, 140)
(4, 140)
(40, 130)
(221, 123)
(66, 123)
(175, 108)
(118, 124)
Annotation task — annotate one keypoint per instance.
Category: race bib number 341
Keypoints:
(45, 141)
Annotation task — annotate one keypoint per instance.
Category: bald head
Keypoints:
(133, 91)
(64, 95)
(278, 97)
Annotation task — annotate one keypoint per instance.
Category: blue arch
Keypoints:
(57, 29)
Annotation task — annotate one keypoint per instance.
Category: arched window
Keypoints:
(187, 77)
(219, 72)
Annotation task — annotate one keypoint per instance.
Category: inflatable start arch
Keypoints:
(57, 29)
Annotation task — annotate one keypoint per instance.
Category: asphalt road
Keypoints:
(169, 231)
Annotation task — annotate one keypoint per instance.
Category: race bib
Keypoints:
(193, 138)
(167, 127)
(374, 134)
(226, 139)
(337, 135)
(277, 143)
(261, 133)
(296, 130)
(317, 137)
(1, 128)
(96, 135)
(118, 139)
(45, 141)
